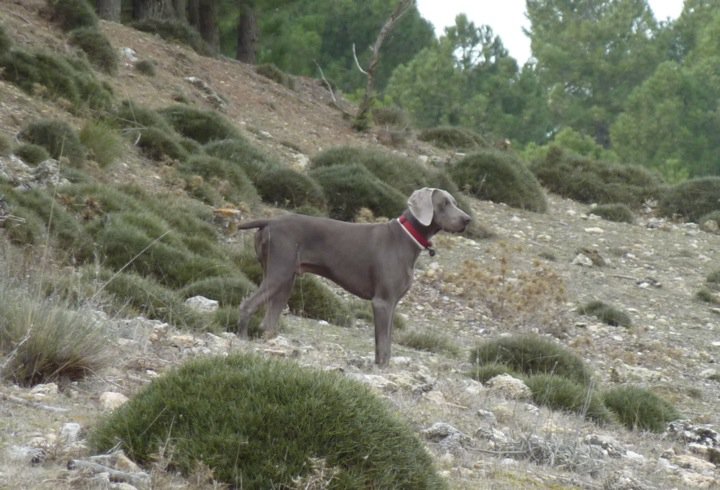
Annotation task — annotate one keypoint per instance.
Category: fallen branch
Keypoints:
(140, 480)
(327, 83)
(28, 403)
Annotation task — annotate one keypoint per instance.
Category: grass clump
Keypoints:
(57, 137)
(561, 393)
(392, 116)
(72, 14)
(429, 341)
(606, 314)
(5, 41)
(348, 188)
(691, 199)
(97, 47)
(229, 180)
(311, 298)
(6, 145)
(31, 154)
(289, 189)
(145, 67)
(201, 126)
(500, 177)
(159, 145)
(619, 213)
(531, 355)
(639, 409)
(713, 280)
(104, 144)
(593, 181)
(486, 372)
(271, 71)
(710, 222)
(707, 295)
(227, 290)
(176, 31)
(453, 137)
(242, 153)
(257, 423)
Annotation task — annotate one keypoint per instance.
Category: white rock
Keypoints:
(70, 433)
(582, 260)
(184, 341)
(374, 380)
(42, 390)
(110, 400)
(693, 463)
(509, 387)
(201, 304)
(596, 230)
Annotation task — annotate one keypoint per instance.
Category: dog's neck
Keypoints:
(420, 233)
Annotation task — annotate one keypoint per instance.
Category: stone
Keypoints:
(111, 400)
(375, 381)
(201, 304)
(509, 387)
(70, 433)
(694, 463)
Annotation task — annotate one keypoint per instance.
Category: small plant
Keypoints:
(606, 313)
(620, 213)
(242, 153)
(707, 295)
(226, 319)
(228, 291)
(257, 423)
(174, 30)
(713, 280)
(57, 137)
(225, 177)
(287, 188)
(145, 67)
(500, 177)
(453, 137)
(486, 372)
(160, 145)
(310, 298)
(72, 14)
(691, 199)
(104, 144)
(530, 355)
(97, 48)
(31, 154)
(202, 126)
(5, 145)
(393, 117)
(348, 188)
(271, 71)
(429, 341)
(561, 393)
(5, 41)
(640, 409)
(130, 115)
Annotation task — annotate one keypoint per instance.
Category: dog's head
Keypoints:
(430, 205)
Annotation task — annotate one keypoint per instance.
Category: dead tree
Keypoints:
(361, 122)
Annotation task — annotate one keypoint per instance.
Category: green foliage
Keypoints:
(713, 279)
(5, 41)
(348, 188)
(26, 229)
(453, 137)
(97, 48)
(500, 177)
(160, 145)
(6, 145)
(287, 188)
(593, 181)
(202, 126)
(640, 409)
(226, 319)
(176, 31)
(31, 154)
(310, 298)
(57, 137)
(146, 67)
(530, 355)
(72, 14)
(561, 393)
(391, 116)
(242, 153)
(710, 222)
(104, 144)
(428, 340)
(130, 115)
(619, 213)
(606, 313)
(227, 290)
(42, 341)
(271, 71)
(257, 423)
(707, 295)
(691, 199)
(486, 372)
(224, 176)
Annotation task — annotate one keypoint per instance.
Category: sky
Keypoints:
(509, 20)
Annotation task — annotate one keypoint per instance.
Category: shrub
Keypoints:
(257, 424)
(5, 145)
(310, 298)
(102, 141)
(594, 181)
(130, 115)
(25, 227)
(241, 152)
(228, 291)
(561, 393)
(145, 67)
(708, 296)
(202, 126)
(271, 71)
(97, 47)
(709, 222)
(31, 154)
(428, 341)
(640, 409)
(453, 137)
(228, 179)
(72, 14)
(486, 372)
(713, 279)
(348, 188)
(500, 177)
(287, 188)
(530, 355)
(5, 42)
(90, 201)
(160, 145)
(390, 117)
(174, 30)
(619, 213)
(226, 319)
(44, 342)
(691, 199)
(606, 313)
(57, 137)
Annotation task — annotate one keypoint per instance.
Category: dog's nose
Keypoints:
(466, 220)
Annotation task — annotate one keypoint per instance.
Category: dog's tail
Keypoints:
(258, 223)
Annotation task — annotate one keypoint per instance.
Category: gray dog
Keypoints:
(372, 261)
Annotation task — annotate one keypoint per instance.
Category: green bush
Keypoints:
(691, 199)
(500, 177)
(640, 409)
(24, 227)
(160, 145)
(486, 372)
(348, 188)
(453, 137)
(561, 393)
(594, 181)
(226, 319)
(258, 424)
(72, 14)
(130, 115)
(5, 145)
(97, 47)
(104, 144)
(176, 31)
(713, 279)
(271, 71)
(57, 137)
(620, 213)
(201, 126)
(708, 296)
(310, 298)
(5, 42)
(225, 177)
(228, 291)
(706, 221)
(606, 313)
(429, 341)
(242, 153)
(31, 154)
(287, 188)
(145, 67)
(530, 355)
(393, 117)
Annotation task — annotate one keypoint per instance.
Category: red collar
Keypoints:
(413, 233)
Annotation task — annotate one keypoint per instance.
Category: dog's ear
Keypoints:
(421, 206)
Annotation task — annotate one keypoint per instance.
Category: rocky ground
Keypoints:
(530, 275)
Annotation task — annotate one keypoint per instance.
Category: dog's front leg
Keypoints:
(383, 311)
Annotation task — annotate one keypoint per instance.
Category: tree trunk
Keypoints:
(180, 7)
(193, 13)
(159, 9)
(109, 9)
(248, 35)
(207, 23)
